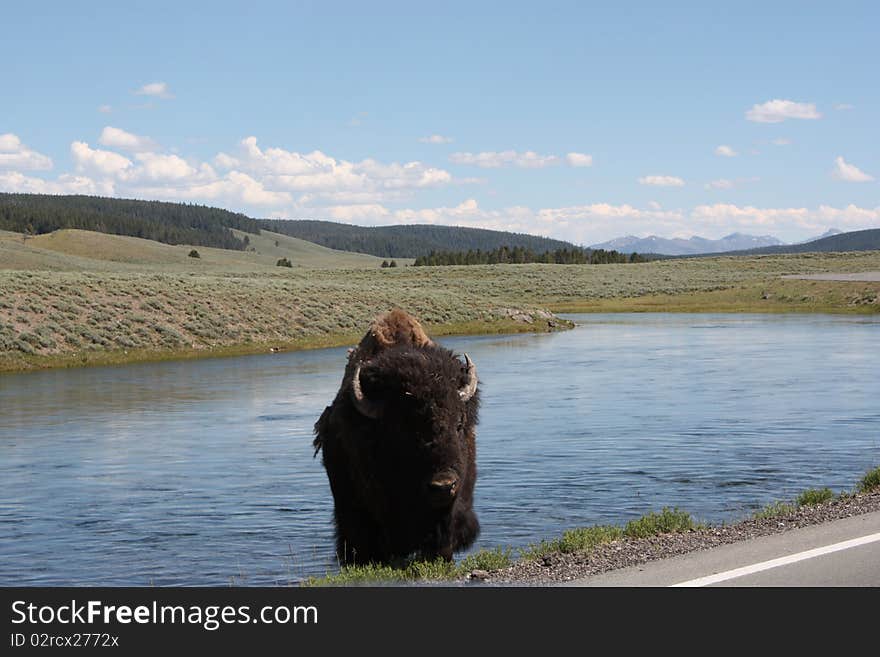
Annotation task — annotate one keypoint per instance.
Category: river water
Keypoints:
(201, 472)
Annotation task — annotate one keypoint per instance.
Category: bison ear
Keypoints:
(468, 389)
(362, 403)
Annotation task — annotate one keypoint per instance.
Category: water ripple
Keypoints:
(202, 472)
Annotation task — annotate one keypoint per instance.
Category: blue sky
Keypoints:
(556, 118)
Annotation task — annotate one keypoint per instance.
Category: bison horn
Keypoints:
(467, 391)
(364, 406)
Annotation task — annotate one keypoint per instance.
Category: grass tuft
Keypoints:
(486, 559)
(355, 575)
(871, 481)
(665, 522)
(586, 539)
(437, 570)
(814, 496)
(775, 510)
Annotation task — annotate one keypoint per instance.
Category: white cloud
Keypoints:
(776, 111)
(234, 188)
(436, 139)
(725, 151)
(781, 141)
(10, 143)
(498, 159)
(104, 162)
(15, 181)
(15, 155)
(360, 212)
(156, 167)
(398, 176)
(523, 160)
(726, 183)
(579, 160)
(785, 223)
(318, 173)
(662, 181)
(225, 161)
(105, 109)
(281, 162)
(844, 106)
(117, 138)
(849, 172)
(156, 89)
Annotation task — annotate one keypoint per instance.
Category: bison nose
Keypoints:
(443, 487)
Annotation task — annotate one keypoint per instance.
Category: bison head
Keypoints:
(419, 408)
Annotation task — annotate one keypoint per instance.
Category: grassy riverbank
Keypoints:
(764, 296)
(811, 506)
(71, 318)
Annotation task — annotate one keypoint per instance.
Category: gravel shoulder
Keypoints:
(623, 553)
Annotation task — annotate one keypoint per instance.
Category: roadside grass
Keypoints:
(582, 539)
(814, 496)
(668, 521)
(809, 497)
(438, 570)
(871, 481)
(775, 510)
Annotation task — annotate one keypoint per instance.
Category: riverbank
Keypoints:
(75, 318)
(16, 361)
(589, 551)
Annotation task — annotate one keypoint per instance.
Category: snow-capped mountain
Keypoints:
(681, 246)
(827, 233)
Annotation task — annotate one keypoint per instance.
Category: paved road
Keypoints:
(869, 276)
(839, 553)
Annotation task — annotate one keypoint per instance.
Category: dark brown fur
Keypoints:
(380, 469)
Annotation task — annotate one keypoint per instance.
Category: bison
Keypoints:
(399, 447)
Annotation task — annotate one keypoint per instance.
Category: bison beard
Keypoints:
(399, 447)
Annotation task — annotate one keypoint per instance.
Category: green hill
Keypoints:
(83, 250)
(170, 223)
(409, 241)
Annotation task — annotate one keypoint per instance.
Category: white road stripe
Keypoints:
(781, 561)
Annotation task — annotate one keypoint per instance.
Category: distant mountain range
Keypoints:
(698, 245)
(857, 240)
(827, 233)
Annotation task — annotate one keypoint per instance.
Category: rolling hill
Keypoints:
(409, 241)
(170, 223)
(83, 250)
